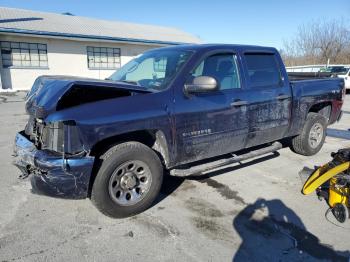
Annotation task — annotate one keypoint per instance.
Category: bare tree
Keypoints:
(319, 42)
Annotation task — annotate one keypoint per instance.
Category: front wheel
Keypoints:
(128, 181)
(312, 137)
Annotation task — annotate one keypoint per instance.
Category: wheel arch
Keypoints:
(323, 108)
(153, 138)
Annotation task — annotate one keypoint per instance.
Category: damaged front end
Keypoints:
(50, 150)
(55, 159)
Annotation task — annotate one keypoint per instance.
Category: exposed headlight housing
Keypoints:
(52, 137)
(61, 137)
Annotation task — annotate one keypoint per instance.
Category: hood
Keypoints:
(54, 93)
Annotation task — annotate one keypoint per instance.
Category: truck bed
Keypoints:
(308, 75)
(312, 91)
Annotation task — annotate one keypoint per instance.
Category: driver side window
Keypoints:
(222, 67)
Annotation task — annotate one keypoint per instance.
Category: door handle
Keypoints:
(282, 97)
(238, 103)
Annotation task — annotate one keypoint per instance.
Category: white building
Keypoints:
(37, 43)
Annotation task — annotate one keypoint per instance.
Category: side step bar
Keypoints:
(199, 169)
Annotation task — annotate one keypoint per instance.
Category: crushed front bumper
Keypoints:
(50, 174)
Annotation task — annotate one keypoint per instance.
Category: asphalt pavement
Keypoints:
(253, 211)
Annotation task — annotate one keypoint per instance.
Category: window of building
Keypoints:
(222, 67)
(27, 55)
(263, 69)
(103, 57)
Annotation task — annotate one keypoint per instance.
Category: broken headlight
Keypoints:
(52, 137)
(61, 137)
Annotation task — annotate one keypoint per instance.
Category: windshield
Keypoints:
(152, 70)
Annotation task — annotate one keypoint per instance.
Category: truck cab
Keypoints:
(237, 114)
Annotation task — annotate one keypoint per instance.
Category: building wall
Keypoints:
(65, 57)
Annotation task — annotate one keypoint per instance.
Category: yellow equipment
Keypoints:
(332, 181)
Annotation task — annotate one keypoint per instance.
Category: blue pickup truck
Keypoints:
(180, 110)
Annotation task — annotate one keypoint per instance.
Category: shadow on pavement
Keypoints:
(170, 184)
(236, 167)
(270, 231)
(338, 133)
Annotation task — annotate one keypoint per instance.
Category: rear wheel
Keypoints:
(128, 181)
(312, 137)
(340, 212)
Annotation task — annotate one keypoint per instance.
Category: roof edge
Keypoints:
(91, 18)
(96, 37)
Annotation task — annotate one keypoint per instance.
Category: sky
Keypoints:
(264, 22)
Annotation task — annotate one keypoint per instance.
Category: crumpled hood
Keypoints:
(53, 93)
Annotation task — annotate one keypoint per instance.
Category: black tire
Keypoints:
(113, 159)
(301, 143)
(340, 212)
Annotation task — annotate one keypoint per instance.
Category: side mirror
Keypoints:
(202, 84)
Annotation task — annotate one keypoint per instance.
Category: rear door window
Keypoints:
(263, 70)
